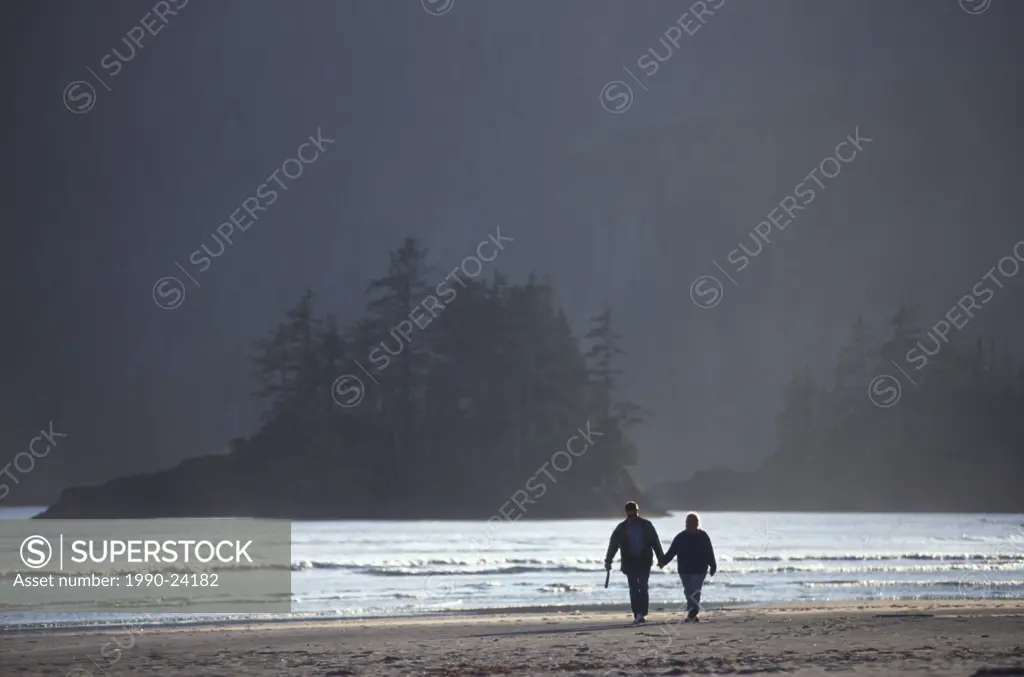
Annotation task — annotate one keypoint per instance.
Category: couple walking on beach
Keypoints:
(638, 541)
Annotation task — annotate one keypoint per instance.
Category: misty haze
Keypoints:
(455, 309)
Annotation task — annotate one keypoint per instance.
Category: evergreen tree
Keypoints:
(947, 435)
(398, 351)
(853, 373)
(602, 358)
(471, 404)
(335, 359)
(799, 423)
(905, 333)
(302, 358)
(272, 373)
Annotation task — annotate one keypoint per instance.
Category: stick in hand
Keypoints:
(607, 577)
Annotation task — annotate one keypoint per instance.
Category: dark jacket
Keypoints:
(696, 555)
(634, 560)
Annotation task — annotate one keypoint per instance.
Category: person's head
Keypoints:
(692, 522)
(632, 510)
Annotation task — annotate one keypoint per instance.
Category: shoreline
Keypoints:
(298, 618)
(954, 638)
(472, 615)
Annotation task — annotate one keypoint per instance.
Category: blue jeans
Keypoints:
(692, 584)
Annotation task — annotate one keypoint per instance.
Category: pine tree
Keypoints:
(601, 359)
(799, 423)
(399, 357)
(334, 360)
(905, 333)
(617, 415)
(853, 374)
(272, 373)
(461, 380)
(302, 361)
(468, 407)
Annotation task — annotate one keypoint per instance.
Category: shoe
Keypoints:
(641, 619)
(692, 614)
(696, 619)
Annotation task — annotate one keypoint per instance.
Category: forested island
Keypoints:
(472, 408)
(470, 414)
(950, 440)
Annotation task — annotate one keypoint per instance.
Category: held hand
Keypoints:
(607, 566)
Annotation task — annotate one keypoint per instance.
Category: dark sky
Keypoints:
(446, 126)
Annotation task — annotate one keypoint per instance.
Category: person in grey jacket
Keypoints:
(696, 561)
(638, 540)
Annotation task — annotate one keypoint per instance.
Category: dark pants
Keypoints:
(638, 598)
(692, 584)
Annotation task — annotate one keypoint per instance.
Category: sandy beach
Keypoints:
(898, 638)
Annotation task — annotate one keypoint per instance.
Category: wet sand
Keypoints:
(901, 638)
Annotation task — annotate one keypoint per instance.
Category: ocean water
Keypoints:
(361, 568)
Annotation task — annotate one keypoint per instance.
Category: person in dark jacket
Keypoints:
(637, 539)
(696, 560)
